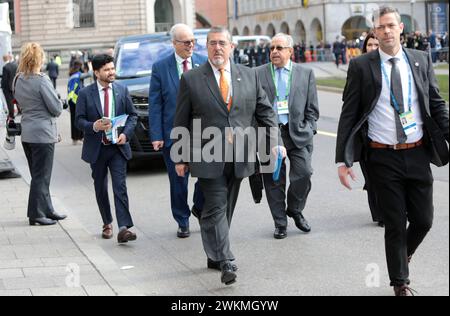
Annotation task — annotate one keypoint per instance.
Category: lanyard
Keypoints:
(275, 82)
(386, 77)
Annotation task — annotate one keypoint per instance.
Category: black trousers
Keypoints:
(371, 194)
(404, 183)
(40, 162)
(76, 134)
(221, 196)
(300, 182)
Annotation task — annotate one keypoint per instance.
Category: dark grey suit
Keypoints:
(298, 140)
(199, 98)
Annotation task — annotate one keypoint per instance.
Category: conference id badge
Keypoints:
(409, 123)
(283, 107)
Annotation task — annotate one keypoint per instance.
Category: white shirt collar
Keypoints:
(100, 87)
(215, 69)
(181, 60)
(288, 66)
(385, 57)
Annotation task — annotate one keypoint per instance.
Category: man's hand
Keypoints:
(101, 127)
(158, 145)
(283, 150)
(122, 139)
(182, 169)
(344, 173)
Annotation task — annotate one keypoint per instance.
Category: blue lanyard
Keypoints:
(386, 77)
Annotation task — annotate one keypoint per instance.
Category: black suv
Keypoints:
(135, 56)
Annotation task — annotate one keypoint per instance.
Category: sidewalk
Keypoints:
(59, 260)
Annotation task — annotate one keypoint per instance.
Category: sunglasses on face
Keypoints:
(187, 43)
(278, 48)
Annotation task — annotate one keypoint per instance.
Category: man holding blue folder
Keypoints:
(291, 90)
(97, 107)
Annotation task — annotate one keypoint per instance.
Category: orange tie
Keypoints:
(225, 88)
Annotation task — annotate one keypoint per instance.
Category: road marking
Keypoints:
(327, 134)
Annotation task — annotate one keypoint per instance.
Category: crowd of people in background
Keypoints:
(342, 50)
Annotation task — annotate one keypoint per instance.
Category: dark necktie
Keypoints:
(397, 93)
(185, 66)
(106, 114)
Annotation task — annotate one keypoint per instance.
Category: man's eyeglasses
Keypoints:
(187, 43)
(214, 43)
(279, 48)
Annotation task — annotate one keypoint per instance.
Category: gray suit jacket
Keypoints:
(40, 107)
(199, 98)
(303, 103)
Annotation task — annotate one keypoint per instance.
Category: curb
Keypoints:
(105, 266)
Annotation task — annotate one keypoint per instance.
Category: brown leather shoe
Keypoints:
(126, 236)
(107, 232)
(403, 290)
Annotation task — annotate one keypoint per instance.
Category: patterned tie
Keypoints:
(282, 89)
(225, 88)
(106, 114)
(397, 93)
(185, 66)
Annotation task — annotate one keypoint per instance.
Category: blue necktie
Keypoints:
(282, 88)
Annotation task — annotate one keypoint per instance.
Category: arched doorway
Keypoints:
(235, 32)
(270, 30)
(258, 30)
(406, 19)
(164, 15)
(316, 32)
(300, 33)
(354, 27)
(285, 28)
(246, 31)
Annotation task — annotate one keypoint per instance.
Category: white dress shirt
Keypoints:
(227, 75)
(102, 98)
(180, 65)
(382, 128)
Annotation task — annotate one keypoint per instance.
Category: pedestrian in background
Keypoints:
(53, 71)
(40, 106)
(9, 72)
(75, 84)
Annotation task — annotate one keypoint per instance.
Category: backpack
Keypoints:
(73, 88)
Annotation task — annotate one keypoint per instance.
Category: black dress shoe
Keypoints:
(43, 221)
(196, 212)
(280, 233)
(300, 222)
(214, 265)
(228, 276)
(56, 217)
(183, 232)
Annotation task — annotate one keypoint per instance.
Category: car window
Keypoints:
(136, 59)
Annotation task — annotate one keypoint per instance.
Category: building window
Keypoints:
(11, 13)
(83, 13)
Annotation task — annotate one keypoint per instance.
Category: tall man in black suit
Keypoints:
(9, 72)
(391, 108)
(97, 105)
(221, 95)
(291, 89)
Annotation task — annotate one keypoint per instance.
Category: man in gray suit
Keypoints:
(219, 95)
(291, 89)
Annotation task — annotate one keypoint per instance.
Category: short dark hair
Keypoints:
(383, 10)
(101, 60)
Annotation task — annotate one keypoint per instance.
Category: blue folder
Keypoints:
(278, 165)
